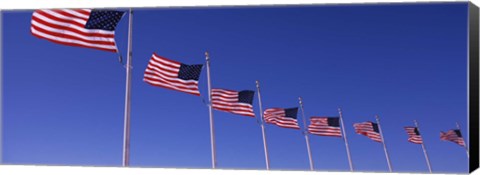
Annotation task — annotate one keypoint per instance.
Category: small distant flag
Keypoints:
(236, 102)
(77, 27)
(454, 136)
(325, 126)
(413, 135)
(286, 118)
(368, 129)
(166, 73)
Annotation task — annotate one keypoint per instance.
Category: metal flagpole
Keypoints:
(384, 146)
(464, 142)
(210, 111)
(126, 129)
(306, 133)
(267, 161)
(345, 139)
(424, 150)
(1, 91)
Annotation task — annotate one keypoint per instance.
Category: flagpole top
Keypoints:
(257, 82)
(207, 56)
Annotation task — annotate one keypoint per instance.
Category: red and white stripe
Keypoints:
(68, 27)
(453, 137)
(277, 116)
(366, 129)
(319, 126)
(163, 72)
(412, 136)
(227, 100)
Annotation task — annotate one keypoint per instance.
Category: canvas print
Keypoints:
(357, 87)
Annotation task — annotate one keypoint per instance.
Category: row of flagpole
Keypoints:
(126, 145)
(127, 111)
(305, 132)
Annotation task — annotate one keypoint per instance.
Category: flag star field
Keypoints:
(106, 20)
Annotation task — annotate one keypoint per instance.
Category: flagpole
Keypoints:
(267, 161)
(126, 129)
(306, 134)
(424, 149)
(384, 146)
(345, 139)
(464, 141)
(1, 90)
(210, 111)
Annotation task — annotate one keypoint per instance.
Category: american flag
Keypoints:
(453, 135)
(166, 73)
(286, 118)
(413, 135)
(368, 129)
(77, 27)
(325, 126)
(236, 102)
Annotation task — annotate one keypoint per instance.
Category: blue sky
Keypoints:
(64, 105)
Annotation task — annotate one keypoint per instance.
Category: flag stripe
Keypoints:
(74, 22)
(68, 35)
(164, 85)
(67, 27)
(163, 72)
(452, 136)
(412, 135)
(228, 101)
(319, 126)
(366, 129)
(164, 62)
(74, 13)
(277, 117)
(232, 105)
(85, 12)
(70, 42)
(174, 79)
(172, 82)
(57, 18)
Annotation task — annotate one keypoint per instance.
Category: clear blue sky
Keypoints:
(64, 105)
